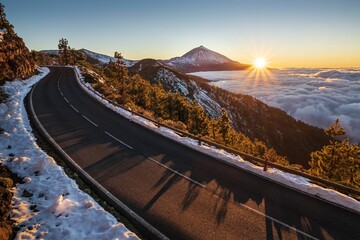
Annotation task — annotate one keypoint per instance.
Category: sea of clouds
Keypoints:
(315, 96)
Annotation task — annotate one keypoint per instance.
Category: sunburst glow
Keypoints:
(260, 62)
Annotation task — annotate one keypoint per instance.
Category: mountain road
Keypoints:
(181, 192)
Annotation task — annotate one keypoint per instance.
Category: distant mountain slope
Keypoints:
(50, 52)
(93, 57)
(203, 59)
(287, 136)
(102, 58)
(16, 60)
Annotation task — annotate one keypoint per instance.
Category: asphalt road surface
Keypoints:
(182, 193)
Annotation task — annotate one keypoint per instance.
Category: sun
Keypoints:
(260, 63)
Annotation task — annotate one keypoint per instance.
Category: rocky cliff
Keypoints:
(16, 60)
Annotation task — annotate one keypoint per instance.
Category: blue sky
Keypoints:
(288, 33)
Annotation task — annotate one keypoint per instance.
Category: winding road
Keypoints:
(181, 192)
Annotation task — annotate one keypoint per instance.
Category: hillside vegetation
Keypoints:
(338, 161)
(289, 137)
(172, 108)
(186, 102)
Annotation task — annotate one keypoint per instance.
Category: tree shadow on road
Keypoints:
(284, 211)
(235, 189)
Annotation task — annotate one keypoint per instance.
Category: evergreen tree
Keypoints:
(182, 107)
(214, 128)
(142, 99)
(339, 161)
(199, 122)
(120, 64)
(157, 98)
(64, 48)
(171, 107)
(224, 126)
(335, 130)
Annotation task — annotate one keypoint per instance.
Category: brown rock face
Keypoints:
(16, 60)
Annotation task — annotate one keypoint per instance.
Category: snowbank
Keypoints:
(49, 205)
(275, 175)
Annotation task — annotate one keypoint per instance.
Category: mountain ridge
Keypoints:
(196, 60)
(204, 59)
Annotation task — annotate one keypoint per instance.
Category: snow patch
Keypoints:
(105, 58)
(210, 106)
(48, 205)
(170, 79)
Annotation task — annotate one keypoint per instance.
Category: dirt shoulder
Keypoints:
(7, 181)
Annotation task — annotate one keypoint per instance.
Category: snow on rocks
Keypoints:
(168, 77)
(48, 204)
(210, 105)
(291, 180)
(103, 59)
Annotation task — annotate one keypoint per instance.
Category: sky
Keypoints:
(307, 33)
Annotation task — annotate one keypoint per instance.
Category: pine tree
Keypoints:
(214, 128)
(335, 130)
(339, 161)
(64, 48)
(199, 122)
(120, 63)
(157, 98)
(224, 126)
(171, 107)
(182, 107)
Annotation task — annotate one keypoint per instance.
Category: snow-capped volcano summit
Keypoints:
(203, 59)
(201, 55)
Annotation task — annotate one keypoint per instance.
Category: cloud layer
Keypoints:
(315, 96)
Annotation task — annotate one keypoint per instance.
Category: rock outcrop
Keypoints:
(16, 60)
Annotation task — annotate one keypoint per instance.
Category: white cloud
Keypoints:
(315, 96)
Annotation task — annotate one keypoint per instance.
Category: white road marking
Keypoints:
(176, 172)
(118, 140)
(74, 108)
(66, 100)
(278, 221)
(90, 121)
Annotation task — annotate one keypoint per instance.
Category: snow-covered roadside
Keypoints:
(291, 180)
(49, 205)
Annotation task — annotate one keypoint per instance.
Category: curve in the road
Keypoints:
(183, 193)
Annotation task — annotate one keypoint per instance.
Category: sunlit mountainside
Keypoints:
(289, 137)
